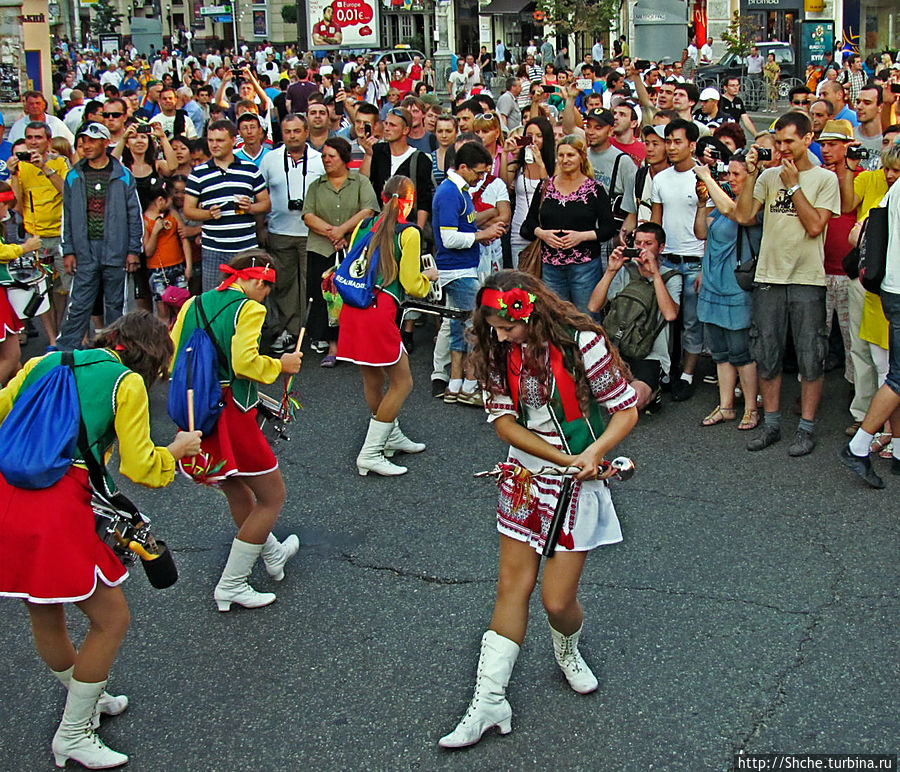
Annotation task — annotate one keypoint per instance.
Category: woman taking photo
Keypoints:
(551, 379)
(570, 213)
(445, 132)
(370, 337)
(111, 379)
(722, 306)
(242, 463)
(532, 162)
(333, 206)
(138, 150)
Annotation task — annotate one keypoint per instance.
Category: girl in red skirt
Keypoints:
(236, 456)
(370, 337)
(49, 550)
(10, 324)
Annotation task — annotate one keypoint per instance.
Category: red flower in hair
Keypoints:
(517, 304)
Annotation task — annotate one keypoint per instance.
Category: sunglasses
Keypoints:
(801, 102)
(399, 113)
(486, 117)
(112, 115)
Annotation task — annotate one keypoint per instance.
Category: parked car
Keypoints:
(732, 65)
(396, 57)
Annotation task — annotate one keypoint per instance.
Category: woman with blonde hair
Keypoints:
(489, 130)
(370, 338)
(571, 214)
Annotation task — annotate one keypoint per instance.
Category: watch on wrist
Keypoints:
(793, 189)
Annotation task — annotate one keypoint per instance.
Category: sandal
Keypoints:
(718, 415)
(880, 441)
(887, 451)
(750, 419)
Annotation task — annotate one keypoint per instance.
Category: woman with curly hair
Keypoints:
(556, 391)
(49, 549)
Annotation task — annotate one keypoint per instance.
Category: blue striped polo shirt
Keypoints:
(212, 185)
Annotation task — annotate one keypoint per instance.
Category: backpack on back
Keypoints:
(39, 438)
(632, 321)
(197, 368)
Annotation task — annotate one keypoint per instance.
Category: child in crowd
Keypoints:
(168, 250)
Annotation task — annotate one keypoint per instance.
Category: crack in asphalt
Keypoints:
(779, 693)
(406, 574)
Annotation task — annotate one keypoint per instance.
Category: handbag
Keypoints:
(530, 258)
(745, 272)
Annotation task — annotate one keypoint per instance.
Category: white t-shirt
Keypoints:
(677, 193)
(891, 281)
(397, 160)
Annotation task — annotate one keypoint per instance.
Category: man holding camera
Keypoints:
(288, 172)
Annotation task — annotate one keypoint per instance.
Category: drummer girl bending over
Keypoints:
(235, 454)
(49, 551)
(556, 392)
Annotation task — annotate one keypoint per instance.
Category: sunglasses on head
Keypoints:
(112, 115)
(398, 112)
(486, 117)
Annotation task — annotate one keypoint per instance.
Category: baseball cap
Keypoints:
(660, 131)
(838, 129)
(66, 94)
(710, 93)
(431, 99)
(248, 114)
(601, 115)
(129, 68)
(94, 131)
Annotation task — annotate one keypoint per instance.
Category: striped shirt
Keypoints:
(212, 185)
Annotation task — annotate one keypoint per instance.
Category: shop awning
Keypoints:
(498, 7)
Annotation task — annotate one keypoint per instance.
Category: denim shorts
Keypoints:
(803, 305)
(692, 330)
(891, 304)
(461, 293)
(160, 278)
(731, 346)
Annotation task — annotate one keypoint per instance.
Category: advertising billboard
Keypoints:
(343, 24)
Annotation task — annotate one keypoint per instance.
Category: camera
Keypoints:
(714, 153)
(144, 128)
(630, 253)
(524, 141)
(858, 153)
(895, 88)
(295, 204)
(763, 154)
(23, 155)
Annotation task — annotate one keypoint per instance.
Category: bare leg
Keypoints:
(749, 384)
(373, 386)
(518, 574)
(10, 353)
(885, 405)
(456, 365)
(559, 591)
(48, 320)
(400, 385)
(51, 637)
(267, 494)
(108, 613)
(810, 396)
(727, 375)
(770, 388)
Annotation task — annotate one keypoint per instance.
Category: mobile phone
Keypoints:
(551, 88)
(524, 141)
(895, 88)
(338, 106)
(584, 84)
(630, 253)
(367, 129)
(642, 64)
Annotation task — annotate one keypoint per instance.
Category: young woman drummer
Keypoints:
(370, 336)
(236, 456)
(49, 549)
(557, 393)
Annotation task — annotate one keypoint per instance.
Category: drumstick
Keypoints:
(303, 328)
(189, 377)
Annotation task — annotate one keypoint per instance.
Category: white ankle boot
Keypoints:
(108, 704)
(233, 587)
(398, 442)
(275, 554)
(489, 707)
(570, 661)
(371, 457)
(75, 738)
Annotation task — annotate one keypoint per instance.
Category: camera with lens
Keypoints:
(295, 204)
(763, 154)
(144, 128)
(858, 153)
(23, 155)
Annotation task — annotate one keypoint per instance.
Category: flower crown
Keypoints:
(515, 304)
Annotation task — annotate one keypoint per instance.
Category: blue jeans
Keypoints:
(575, 282)
(692, 332)
(891, 304)
(461, 294)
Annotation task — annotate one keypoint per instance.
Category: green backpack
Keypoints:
(633, 320)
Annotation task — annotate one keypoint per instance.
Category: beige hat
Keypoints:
(841, 130)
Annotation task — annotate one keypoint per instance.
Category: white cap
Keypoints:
(66, 95)
(709, 93)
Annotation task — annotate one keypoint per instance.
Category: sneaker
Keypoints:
(863, 466)
(473, 398)
(284, 343)
(682, 391)
(438, 385)
(450, 396)
(767, 436)
(712, 379)
(655, 404)
(319, 346)
(803, 443)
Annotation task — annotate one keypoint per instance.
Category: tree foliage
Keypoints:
(592, 17)
(289, 13)
(740, 34)
(105, 19)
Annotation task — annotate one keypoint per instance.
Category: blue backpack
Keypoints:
(197, 368)
(354, 278)
(39, 437)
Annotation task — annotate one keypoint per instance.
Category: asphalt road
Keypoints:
(752, 607)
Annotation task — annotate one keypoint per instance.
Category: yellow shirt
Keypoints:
(42, 203)
(140, 461)
(871, 187)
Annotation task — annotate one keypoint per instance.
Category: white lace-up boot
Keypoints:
(75, 738)
(398, 442)
(275, 554)
(489, 707)
(371, 457)
(576, 670)
(233, 587)
(108, 704)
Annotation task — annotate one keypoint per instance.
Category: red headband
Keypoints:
(6, 196)
(263, 272)
(515, 304)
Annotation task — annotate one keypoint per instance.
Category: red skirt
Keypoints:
(9, 321)
(370, 336)
(235, 448)
(49, 550)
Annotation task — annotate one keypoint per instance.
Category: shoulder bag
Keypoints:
(530, 260)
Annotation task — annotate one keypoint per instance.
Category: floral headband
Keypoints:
(515, 304)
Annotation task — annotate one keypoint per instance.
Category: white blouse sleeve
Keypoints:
(607, 382)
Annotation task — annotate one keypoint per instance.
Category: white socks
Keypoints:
(469, 386)
(859, 445)
(689, 377)
(455, 384)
